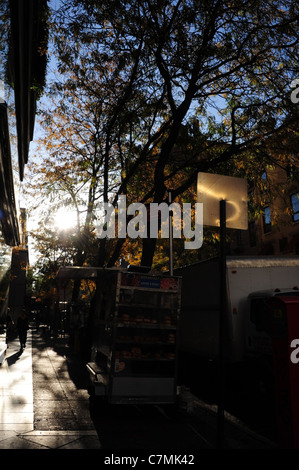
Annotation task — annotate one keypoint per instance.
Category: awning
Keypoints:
(26, 68)
(76, 272)
(8, 212)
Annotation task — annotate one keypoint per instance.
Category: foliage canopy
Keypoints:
(152, 91)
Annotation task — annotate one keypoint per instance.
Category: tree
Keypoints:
(149, 65)
(68, 176)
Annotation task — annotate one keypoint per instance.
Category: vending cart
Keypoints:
(134, 351)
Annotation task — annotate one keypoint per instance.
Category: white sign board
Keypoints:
(211, 189)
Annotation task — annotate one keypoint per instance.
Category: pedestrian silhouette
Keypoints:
(22, 327)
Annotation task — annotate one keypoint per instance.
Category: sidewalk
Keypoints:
(44, 404)
(39, 402)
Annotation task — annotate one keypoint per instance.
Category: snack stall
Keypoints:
(134, 337)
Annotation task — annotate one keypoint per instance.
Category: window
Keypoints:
(264, 182)
(260, 315)
(295, 206)
(267, 220)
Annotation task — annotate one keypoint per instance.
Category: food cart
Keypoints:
(134, 337)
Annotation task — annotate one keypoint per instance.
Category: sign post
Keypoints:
(170, 237)
(224, 201)
(222, 317)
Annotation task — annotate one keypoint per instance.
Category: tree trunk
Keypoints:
(148, 251)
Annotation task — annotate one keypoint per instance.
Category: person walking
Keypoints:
(22, 327)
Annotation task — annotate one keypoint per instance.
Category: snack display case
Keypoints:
(134, 352)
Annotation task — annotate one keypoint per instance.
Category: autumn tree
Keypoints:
(153, 69)
(68, 168)
(67, 174)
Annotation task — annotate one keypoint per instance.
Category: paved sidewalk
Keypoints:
(44, 404)
(30, 414)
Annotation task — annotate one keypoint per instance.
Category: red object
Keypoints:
(285, 328)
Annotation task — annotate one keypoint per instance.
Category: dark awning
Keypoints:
(26, 68)
(77, 272)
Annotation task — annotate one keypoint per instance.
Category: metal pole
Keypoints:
(170, 238)
(222, 319)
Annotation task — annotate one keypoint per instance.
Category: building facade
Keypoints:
(24, 71)
(276, 230)
(9, 225)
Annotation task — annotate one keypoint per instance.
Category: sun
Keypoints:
(65, 219)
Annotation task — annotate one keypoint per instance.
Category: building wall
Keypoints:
(5, 260)
(277, 231)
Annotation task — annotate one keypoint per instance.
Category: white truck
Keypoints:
(250, 280)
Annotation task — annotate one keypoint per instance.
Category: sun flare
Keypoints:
(65, 219)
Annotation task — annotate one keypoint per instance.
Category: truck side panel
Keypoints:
(199, 321)
(242, 282)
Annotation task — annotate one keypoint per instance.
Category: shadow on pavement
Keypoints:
(13, 358)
